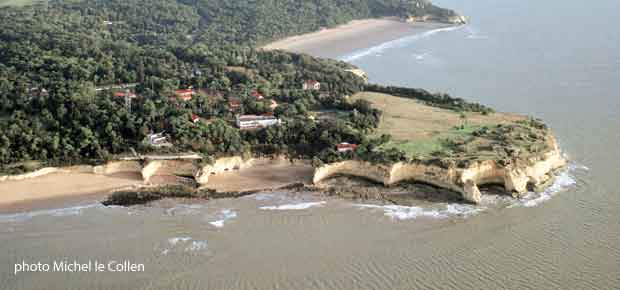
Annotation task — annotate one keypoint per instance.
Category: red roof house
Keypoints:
(185, 95)
(195, 118)
(125, 95)
(345, 147)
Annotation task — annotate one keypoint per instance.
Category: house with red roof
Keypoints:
(185, 95)
(195, 118)
(125, 94)
(346, 147)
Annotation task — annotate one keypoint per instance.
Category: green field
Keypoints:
(438, 143)
(423, 132)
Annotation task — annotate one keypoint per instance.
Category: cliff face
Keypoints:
(221, 165)
(515, 177)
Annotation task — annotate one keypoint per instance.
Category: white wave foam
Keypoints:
(175, 240)
(59, 212)
(400, 212)
(263, 196)
(421, 56)
(197, 246)
(474, 33)
(188, 243)
(377, 50)
(225, 215)
(184, 209)
(295, 206)
(563, 181)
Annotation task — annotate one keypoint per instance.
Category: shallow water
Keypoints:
(557, 60)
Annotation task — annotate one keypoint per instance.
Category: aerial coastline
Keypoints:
(252, 175)
(357, 34)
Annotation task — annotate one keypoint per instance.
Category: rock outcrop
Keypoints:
(168, 167)
(114, 167)
(516, 177)
(221, 165)
(360, 73)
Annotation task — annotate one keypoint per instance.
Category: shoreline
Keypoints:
(357, 34)
(61, 187)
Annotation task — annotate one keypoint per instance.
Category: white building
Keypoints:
(254, 121)
(159, 140)
(311, 85)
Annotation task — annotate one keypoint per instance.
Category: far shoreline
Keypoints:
(347, 38)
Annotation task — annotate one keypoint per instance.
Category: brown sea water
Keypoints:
(557, 60)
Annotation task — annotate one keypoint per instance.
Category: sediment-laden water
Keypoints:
(557, 60)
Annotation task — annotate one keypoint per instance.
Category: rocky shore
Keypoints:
(190, 179)
(516, 178)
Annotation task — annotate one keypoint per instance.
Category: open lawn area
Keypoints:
(420, 130)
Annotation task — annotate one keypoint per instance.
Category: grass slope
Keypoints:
(423, 131)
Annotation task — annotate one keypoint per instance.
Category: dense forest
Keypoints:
(64, 63)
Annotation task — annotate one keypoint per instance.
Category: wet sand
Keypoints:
(59, 188)
(358, 34)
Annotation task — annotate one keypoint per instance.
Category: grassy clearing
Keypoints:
(440, 142)
(423, 131)
(407, 119)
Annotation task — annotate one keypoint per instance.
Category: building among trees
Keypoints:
(245, 122)
(311, 85)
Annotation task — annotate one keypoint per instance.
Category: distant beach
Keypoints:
(357, 34)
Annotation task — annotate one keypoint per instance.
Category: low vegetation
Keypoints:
(426, 133)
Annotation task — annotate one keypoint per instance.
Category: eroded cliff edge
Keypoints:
(517, 176)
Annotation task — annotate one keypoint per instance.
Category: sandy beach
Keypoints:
(58, 188)
(263, 175)
(357, 34)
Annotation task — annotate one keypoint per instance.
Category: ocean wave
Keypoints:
(188, 244)
(421, 56)
(377, 50)
(197, 246)
(474, 33)
(295, 206)
(400, 212)
(59, 212)
(175, 240)
(184, 209)
(225, 215)
(563, 181)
